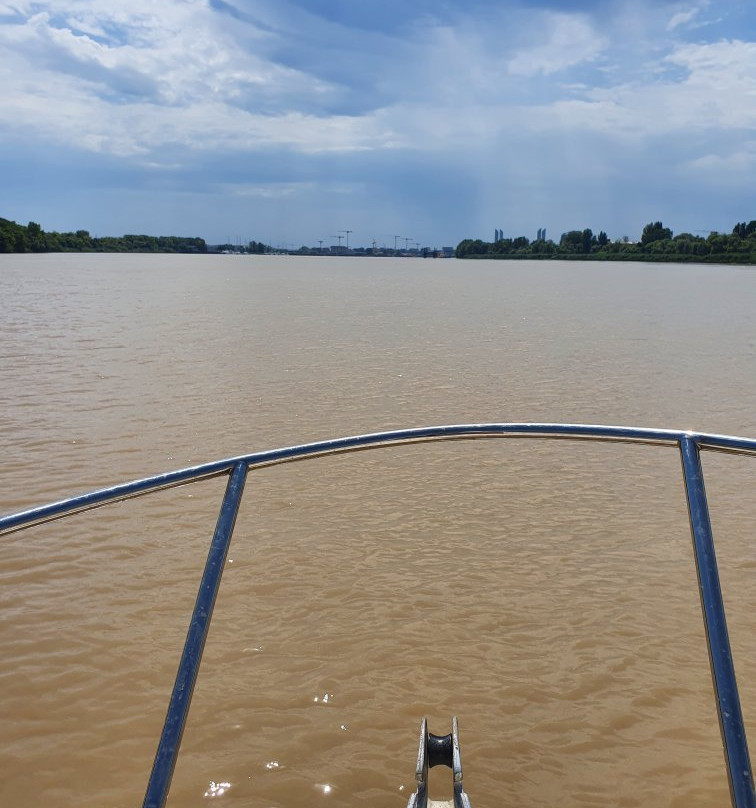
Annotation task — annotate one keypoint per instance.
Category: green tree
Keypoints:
(502, 246)
(717, 243)
(572, 241)
(468, 247)
(744, 230)
(35, 238)
(655, 231)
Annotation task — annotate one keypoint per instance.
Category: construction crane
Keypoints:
(347, 236)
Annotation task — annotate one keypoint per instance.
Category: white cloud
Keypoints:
(139, 129)
(716, 94)
(738, 164)
(509, 100)
(163, 73)
(196, 87)
(183, 54)
(570, 40)
(267, 191)
(681, 18)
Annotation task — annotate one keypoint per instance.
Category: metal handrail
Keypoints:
(689, 444)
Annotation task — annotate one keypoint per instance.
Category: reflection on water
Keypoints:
(217, 789)
(542, 592)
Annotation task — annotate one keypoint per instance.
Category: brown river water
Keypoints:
(542, 591)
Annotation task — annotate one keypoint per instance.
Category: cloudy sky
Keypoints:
(289, 121)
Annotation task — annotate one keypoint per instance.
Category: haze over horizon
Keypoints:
(290, 121)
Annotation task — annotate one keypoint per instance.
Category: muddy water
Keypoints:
(543, 592)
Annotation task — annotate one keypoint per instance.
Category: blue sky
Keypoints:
(288, 121)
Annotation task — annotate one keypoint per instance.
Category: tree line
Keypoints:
(253, 248)
(17, 238)
(657, 243)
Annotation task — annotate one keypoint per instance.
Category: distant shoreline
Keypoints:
(656, 245)
(723, 260)
(31, 238)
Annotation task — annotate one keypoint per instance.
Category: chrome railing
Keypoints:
(689, 444)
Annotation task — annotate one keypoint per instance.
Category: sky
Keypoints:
(292, 121)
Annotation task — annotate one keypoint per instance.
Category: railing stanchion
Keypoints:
(178, 708)
(739, 770)
(720, 656)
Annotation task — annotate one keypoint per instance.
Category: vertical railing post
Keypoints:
(720, 656)
(178, 708)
